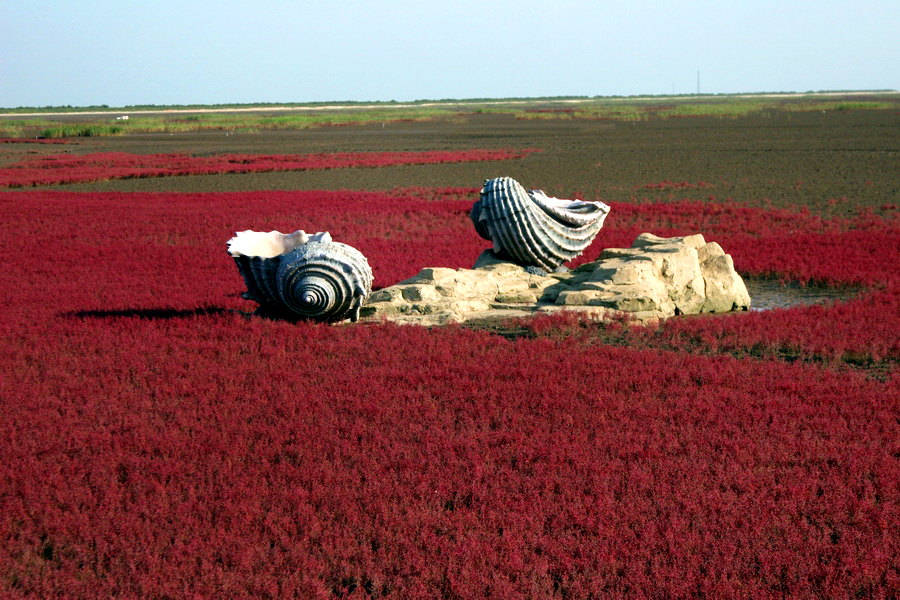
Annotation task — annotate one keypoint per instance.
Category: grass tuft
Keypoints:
(85, 130)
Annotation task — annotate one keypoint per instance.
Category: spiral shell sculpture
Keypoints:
(298, 276)
(532, 228)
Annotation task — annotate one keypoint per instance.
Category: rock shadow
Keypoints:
(151, 313)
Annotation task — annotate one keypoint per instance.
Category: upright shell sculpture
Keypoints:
(302, 276)
(532, 228)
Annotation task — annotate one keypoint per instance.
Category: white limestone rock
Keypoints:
(655, 279)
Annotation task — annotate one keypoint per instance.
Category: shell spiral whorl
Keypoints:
(324, 280)
(532, 228)
(320, 280)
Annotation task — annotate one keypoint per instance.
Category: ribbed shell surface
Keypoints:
(324, 281)
(532, 230)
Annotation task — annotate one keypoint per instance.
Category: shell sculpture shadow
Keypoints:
(301, 276)
(532, 228)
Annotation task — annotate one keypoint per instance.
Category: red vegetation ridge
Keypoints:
(160, 441)
(65, 168)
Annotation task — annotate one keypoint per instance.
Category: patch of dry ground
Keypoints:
(831, 162)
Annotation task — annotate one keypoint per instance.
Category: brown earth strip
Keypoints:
(831, 162)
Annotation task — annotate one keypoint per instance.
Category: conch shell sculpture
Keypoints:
(532, 228)
(302, 276)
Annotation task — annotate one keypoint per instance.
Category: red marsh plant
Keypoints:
(160, 441)
(182, 264)
(65, 168)
(208, 454)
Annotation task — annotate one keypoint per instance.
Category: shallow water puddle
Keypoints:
(766, 294)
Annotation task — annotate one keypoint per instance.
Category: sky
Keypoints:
(124, 53)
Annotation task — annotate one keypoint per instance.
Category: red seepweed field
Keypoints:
(159, 440)
(62, 168)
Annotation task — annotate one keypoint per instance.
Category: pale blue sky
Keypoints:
(59, 52)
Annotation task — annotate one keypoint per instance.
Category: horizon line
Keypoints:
(322, 105)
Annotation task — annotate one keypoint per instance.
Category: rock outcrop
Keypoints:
(654, 279)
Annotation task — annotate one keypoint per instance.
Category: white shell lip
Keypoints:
(269, 244)
(575, 212)
(540, 196)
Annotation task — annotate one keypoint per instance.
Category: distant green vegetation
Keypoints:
(244, 122)
(11, 130)
(82, 130)
(86, 122)
(724, 108)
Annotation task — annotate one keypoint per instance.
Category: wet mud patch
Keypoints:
(766, 294)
